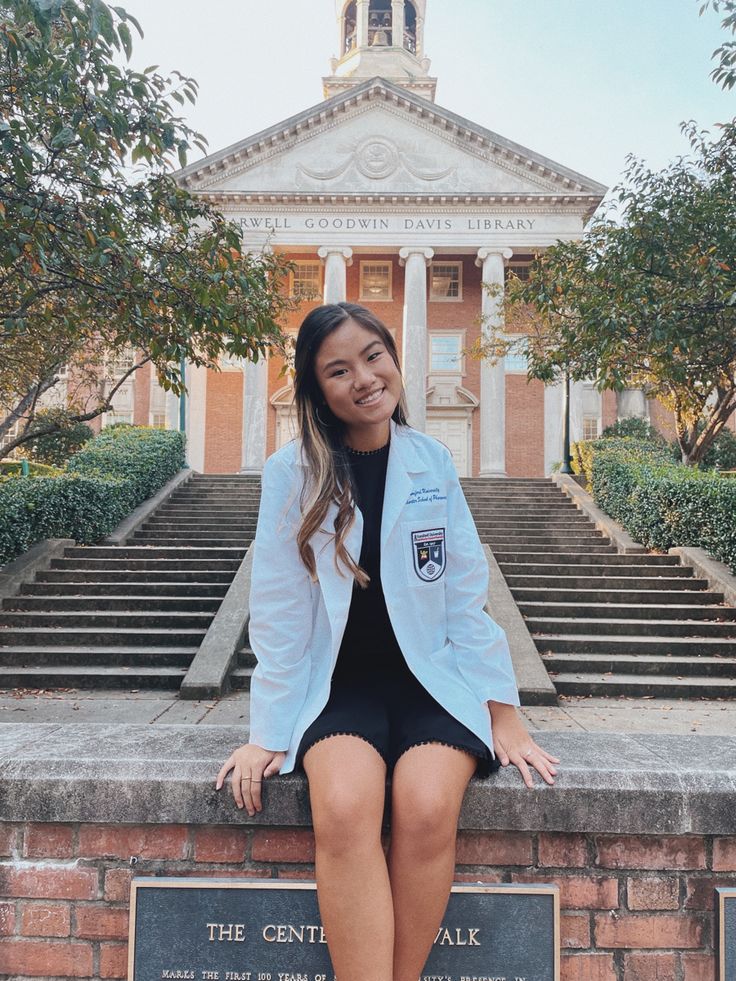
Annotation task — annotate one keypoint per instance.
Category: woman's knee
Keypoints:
(425, 811)
(347, 778)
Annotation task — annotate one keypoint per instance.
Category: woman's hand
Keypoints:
(513, 744)
(250, 764)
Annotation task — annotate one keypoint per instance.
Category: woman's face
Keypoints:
(360, 383)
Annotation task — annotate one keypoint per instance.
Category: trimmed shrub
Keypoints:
(13, 468)
(103, 483)
(55, 448)
(664, 504)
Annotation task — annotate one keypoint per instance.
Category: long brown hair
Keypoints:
(322, 433)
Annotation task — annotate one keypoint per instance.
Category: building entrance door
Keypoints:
(453, 429)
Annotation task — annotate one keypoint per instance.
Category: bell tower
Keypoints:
(381, 38)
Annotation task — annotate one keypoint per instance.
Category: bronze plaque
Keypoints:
(726, 933)
(270, 930)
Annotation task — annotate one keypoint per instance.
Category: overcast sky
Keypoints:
(583, 82)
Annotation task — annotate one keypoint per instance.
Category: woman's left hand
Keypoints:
(513, 744)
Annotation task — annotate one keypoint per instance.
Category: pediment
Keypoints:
(379, 139)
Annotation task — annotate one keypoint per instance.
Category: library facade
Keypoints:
(379, 196)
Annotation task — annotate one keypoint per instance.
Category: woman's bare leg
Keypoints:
(428, 786)
(347, 783)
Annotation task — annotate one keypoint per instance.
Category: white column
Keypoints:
(415, 340)
(196, 415)
(361, 9)
(255, 404)
(576, 411)
(397, 23)
(492, 377)
(336, 262)
(554, 397)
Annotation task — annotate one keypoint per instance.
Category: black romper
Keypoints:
(374, 694)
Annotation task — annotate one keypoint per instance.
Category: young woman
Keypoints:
(374, 652)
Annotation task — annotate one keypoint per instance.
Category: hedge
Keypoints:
(660, 503)
(102, 484)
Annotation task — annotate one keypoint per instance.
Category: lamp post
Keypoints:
(566, 457)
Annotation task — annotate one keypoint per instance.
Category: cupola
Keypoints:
(381, 38)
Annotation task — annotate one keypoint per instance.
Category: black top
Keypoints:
(369, 645)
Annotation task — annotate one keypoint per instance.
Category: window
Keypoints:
(10, 435)
(158, 420)
(306, 280)
(519, 269)
(445, 353)
(591, 427)
(110, 418)
(231, 362)
(375, 281)
(446, 282)
(516, 363)
(122, 363)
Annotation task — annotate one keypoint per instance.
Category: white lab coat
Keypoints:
(435, 580)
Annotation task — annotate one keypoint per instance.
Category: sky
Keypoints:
(583, 82)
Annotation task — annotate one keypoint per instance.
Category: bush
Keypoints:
(13, 468)
(631, 447)
(55, 448)
(103, 483)
(664, 504)
(636, 427)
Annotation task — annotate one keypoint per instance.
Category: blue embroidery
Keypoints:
(423, 494)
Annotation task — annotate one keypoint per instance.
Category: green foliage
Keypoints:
(660, 502)
(103, 483)
(632, 448)
(648, 298)
(55, 448)
(636, 427)
(89, 258)
(724, 74)
(722, 453)
(13, 468)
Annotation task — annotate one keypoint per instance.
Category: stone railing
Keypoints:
(637, 831)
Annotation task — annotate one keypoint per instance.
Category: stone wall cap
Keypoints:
(607, 782)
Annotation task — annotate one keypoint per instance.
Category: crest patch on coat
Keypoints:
(428, 553)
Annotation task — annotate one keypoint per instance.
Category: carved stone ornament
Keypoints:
(376, 158)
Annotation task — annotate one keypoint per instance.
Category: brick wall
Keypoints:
(633, 908)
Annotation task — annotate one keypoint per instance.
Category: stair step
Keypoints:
(69, 676)
(600, 612)
(84, 636)
(122, 575)
(601, 569)
(541, 627)
(240, 678)
(106, 620)
(121, 603)
(657, 664)
(27, 655)
(604, 579)
(154, 565)
(635, 644)
(633, 686)
(151, 552)
(177, 591)
(542, 596)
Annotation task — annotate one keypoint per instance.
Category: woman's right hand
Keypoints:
(250, 764)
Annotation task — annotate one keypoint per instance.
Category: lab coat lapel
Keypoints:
(403, 463)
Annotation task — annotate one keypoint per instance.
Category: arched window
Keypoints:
(350, 28)
(380, 23)
(410, 26)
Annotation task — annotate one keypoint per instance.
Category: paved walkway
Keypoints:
(620, 715)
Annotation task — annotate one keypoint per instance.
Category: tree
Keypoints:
(100, 250)
(724, 74)
(647, 299)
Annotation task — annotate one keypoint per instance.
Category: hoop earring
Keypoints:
(320, 420)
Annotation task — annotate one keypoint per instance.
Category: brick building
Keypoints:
(382, 197)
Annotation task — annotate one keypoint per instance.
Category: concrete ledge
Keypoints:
(128, 526)
(22, 570)
(606, 783)
(623, 541)
(718, 575)
(533, 681)
(208, 673)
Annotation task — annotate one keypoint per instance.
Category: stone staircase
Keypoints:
(133, 616)
(604, 623)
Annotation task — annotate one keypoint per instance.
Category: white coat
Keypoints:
(435, 580)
